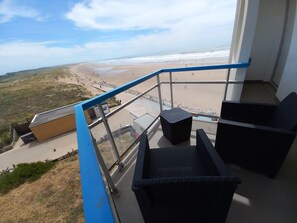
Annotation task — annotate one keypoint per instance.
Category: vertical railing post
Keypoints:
(171, 88)
(111, 139)
(227, 83)
(104, 168)
(159, 92)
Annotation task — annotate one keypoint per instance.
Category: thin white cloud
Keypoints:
(177, 26)
(146, 14)
(21, 55)
(10, 9)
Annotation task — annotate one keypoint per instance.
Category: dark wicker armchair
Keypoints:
(257, 136)
(183, 184)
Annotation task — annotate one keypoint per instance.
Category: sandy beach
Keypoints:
(103, 76)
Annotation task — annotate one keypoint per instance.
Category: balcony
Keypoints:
(108, 146)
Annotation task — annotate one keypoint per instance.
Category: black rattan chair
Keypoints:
(257, 136)
(183, 184)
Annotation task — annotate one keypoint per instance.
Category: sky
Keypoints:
(38, 33)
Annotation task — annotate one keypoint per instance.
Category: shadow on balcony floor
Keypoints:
(261, 92)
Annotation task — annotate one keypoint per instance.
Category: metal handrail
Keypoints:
(97, 206)
(95, 199)
(92, 125)
(99, 99)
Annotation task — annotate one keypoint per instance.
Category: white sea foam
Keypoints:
(209, 54)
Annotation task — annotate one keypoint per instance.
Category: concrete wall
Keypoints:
(56, 127)
(280, 65)
(242, 42)
(288, 82)
(274, 48)
(266, 31)
(267, 40)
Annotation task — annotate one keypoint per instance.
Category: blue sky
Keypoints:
(37, 33)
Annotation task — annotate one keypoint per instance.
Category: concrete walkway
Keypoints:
(39, 151)
(59, 146)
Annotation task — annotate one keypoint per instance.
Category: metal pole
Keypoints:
(97, 122)
(111, 139)
(159, 92)
(171, 89)
(104, 168)
(227, 83)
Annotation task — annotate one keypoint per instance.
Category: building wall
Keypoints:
(288, 82)
(274, 53)
(272, 45)
(267, 40)
(242, 41)
(56, 127)
(279, 68)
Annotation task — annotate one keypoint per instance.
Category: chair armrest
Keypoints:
(142, 162)
(247, 112)
(209, 155)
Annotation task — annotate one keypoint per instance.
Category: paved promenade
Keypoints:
(39, 151)
(59, 146)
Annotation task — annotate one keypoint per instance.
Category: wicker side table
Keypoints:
(176, 125)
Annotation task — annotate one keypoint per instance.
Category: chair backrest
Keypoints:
(285, 115)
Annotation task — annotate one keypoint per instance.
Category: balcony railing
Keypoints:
(105, 136)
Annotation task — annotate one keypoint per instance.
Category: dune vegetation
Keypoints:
(51, 194)
(23, 94)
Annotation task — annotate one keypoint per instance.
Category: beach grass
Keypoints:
(24, 94)
(53, 197)
(24, 172)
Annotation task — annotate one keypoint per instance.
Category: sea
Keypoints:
(198, 56)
